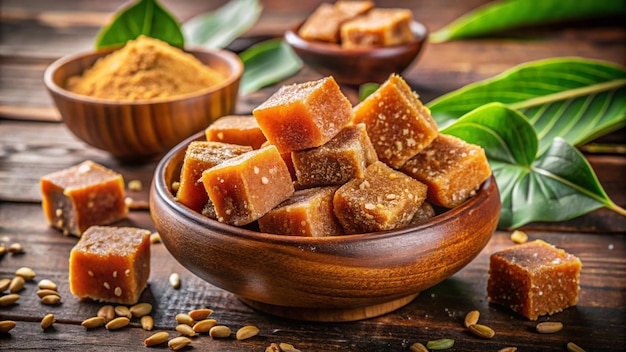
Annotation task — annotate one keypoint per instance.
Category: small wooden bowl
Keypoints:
(356, 66)
(147, 128)
(339, 278)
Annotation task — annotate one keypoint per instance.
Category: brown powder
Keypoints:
(144, 68)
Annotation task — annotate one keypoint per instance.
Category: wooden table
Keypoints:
(33, 142)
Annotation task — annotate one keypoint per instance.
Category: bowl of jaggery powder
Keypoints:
(138, 101)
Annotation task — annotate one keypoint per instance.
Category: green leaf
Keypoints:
(366, 89)
(502, 15)
(573, 98)
(145, 17)
(219, 28)
(266, 63)
(557, 186)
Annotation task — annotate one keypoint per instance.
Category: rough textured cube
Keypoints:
(200, 156)
(384, 199)
(110, 264)
(246, 187)
(308, 212)
(233, 129)
(304, 115)
(424, 213)
(534, 279)
(325, 22)
(398, 125)
(334, 163)
(452, 168)
(81, 196)
(379, 27)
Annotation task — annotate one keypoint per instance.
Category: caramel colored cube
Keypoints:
(308, 212)
(452, 168)
(200, 156)
(304, 115)
(325, 22)
(334, 163)
(534, 279)
(81, 196)
(379, 27)
(110, 264)
(424, 213)
(384, 199)
(398, 125)
(246, 187)
(233, 129)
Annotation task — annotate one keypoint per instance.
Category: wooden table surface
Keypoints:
(34, 142)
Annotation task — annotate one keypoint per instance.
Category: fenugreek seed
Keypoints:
(247, 332)
(178, 342)
(471, 318)
(9, 299)
(3, 250)
(175, 280)
(200, 314)
(482, 331)
(4, 284)
(117, 323)
(175, 186)
(519, 236)
(46, 284)
(17, 284)
(93, 323)
(123, 311)
(508, 349)
(418, 347)
(185, 329)
(273, 347)
(441, 344)
(135, 185)
(155, 237)
(204, 326)
(16, 248)
(183, 318)
(286, 347)
(140, 309)
(25, 272)
(51, 299)
(572, 347)
(46, 292)
(47, 321)
(7, 325)
(156, 338)
(549, 327)
(219, 331)
(107, 312)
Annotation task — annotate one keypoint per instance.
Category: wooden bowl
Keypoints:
(340, 278)
(147, 128)
(357, 65)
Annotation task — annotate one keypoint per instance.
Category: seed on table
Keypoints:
(51, 299)
(572, 347)
(156, 338)
(219, 331)
(418, 347)
(140, 309)
(471, 318)
(47, 321)
(247, 332)
(519, 237)
(46, 292)
(25, 272)
(204, 326)
(183, 318)
(549, 327)
(508, 349)
(7, 325)
(3, 250)
(286, 347)
(17, 284)
(135, 185)
(185, 330)
(155, 237)
(200, 314)
(117, 323)
(178, 342)
(4, 284)
(123, 311)
(147, 323)
(175, 280)
(9, 299)
(440, 344)
(92, 323)
(46, 284)
(16, 248)
(107, 312)
(482, 331)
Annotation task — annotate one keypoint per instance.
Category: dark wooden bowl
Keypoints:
(339, 278)
(357, 65)
(147, 128)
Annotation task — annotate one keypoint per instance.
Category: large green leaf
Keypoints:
(573, 98)
(557, 186)
(145, 17)
(502, 15)
(267, 63)
(219, 28)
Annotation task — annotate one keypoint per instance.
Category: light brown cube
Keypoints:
(81, 196)
(234, 129)
(423, 214)
(379, 27)
(325, 22)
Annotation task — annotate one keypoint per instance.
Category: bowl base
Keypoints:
(330, 315)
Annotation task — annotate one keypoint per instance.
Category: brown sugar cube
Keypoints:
(200, 156)
(110, 264)
(452, 168)
(354, 8)
(334, 163)
(233, 129)
(534, 279)
(324, 23)
(304, 115)
(81, 196)
(308, 212)
(378, 27)
(246, 187)
(398, 125)
(384, 199)
(424, 213)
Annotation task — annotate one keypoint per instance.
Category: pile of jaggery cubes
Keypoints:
(308, 163)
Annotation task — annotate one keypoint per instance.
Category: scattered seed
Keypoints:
(47, 321)
(25, 272)
(3, 250)
(175, 186)
(204, 326)
(46, 292)
(247, 332)
(178, 342)
(175, 280)
(147, 323)
(107, 312)
(117, 323)
(140, 309)
(183, 318)
(185, 330)
(123, 311)
(9, 299)
(286, 347)
(4, 284)
(93, 323)
(508, 349)
(46, 284)
(156, 338)
(418, 347)
(51, 299)
(472, 318)
(219, 331)
(549, 327)
(441, 344)
(572, 347)
(200, 314)
(155, 237)
(7, 325)
(135, 185)
(16, 248)
(519, 236)
(17, 284)
(482, 331)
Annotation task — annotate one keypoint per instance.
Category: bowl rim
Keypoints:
(161, 189)
(231, 59)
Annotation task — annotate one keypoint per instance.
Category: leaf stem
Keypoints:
(619, 210)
